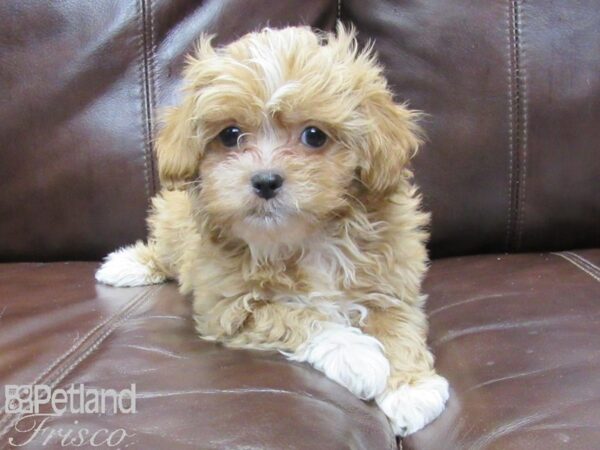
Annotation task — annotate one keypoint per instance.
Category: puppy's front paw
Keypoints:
(349, 357)
(126, 268)
(411, 407)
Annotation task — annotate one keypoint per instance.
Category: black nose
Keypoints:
(266, 184)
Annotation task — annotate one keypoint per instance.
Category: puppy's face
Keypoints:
(274, 180)
(282, 130)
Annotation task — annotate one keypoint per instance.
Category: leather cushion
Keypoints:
(81, 86)
(510, 89)
(517, 336)
(512, 99)
(60, 328)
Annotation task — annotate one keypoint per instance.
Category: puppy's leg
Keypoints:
(348, 356)
(173, 233)
(134, 265)
(343, 353)
(415, 394)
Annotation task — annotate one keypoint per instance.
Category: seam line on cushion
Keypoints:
(73, 348)
(593, 267)
(579, 264)
(524, 123)
(511, 88)
(80, 351)
(517, 111)
(142, 83)
(81, 341)
(101, 338)
(146, 96)
(589, 265)
(339, 9)
(153, 89)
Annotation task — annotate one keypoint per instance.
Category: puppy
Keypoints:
(288, 212)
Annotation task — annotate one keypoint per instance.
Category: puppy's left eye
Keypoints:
(313, 137)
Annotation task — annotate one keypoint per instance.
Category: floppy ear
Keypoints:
(392, 139)
(177, 151)
(179, 146)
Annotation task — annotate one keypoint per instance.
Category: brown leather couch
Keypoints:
(511, 172)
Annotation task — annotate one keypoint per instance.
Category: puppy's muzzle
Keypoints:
(266, 184)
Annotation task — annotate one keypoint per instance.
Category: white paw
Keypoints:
(123, 268)
(411, 407)
(349, 357)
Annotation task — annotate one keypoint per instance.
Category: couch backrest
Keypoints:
(512, 90)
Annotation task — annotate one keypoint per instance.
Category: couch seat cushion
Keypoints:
(57, 327)
(518, 337)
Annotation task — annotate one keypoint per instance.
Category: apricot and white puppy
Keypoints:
(289, 213)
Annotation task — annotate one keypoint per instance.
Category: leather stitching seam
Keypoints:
(586, 262)
(524, 122)
(152, 70)
(145, 86)
(509, 16)
(579, 262)
(517, 133)
(99, 333)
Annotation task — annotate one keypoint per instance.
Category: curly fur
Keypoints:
(343, 244)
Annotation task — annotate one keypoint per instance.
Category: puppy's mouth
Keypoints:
(271, 223)
(266, 217)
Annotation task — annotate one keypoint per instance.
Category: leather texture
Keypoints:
(58, 327)
(516, 335)
(513, 101)
(511, 164)
(81, 84)
(510, 89)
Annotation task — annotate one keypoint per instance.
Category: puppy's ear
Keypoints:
(389, 134)
(392, 139)
(177, 151)
(179, 145)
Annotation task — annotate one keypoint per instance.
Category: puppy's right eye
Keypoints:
(229, 136)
